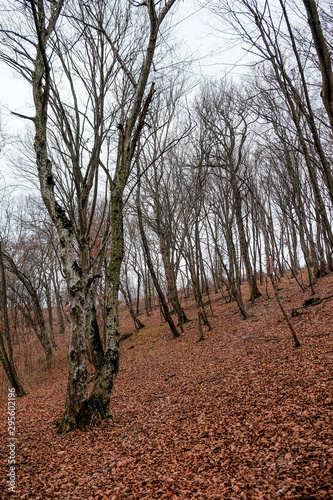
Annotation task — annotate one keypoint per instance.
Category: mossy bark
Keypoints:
(94, 346)
(97, 405)
(81, 410)
(77, 390)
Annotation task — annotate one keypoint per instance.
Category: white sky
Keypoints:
(216, 55)
(212, 56)
(195, 27)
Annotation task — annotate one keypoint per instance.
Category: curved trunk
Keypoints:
(10, 370)
(128, 301)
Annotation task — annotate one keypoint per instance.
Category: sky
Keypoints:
(195, 27)
(205, 36)
(198, 39)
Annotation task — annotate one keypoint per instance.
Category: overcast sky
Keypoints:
(195, 26)
(205, 37)
(212, 56)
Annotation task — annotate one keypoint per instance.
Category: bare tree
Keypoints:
(6, 349)
(160, 181)
(225, 118)
(72, 143)
(158, 288)
(133, 114)
(324, 56)
(271, 35)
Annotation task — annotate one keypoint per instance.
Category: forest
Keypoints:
(166, 264)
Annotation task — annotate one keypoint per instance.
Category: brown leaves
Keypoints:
(240, 416)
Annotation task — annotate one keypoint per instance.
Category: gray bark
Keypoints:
(98, 402)
(324, 57)
(6, 349)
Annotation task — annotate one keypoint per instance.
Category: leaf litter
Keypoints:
(241, 415)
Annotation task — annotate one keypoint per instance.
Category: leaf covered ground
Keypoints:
(241, 415)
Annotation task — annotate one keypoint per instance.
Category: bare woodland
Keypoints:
(152, 188)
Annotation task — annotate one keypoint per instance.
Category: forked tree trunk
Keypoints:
(97, 405)
(159, 291)
(128, 301)
(79, 409)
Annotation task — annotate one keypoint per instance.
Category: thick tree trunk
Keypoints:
(79, 409)
(77, 373)
(97, 405)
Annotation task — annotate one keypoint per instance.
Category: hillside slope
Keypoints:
(242, 415)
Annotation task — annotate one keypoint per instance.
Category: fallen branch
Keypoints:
(319, 335)
(309, 303)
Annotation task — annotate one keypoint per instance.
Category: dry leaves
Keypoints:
(242, 415)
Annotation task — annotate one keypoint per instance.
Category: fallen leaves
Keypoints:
(240, 416)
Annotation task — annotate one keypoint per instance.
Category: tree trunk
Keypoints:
(60, 312)
(6, 355)
(40, 328)
(171, 281)
(77, 375)
(324, 57)
(10, 370)
(97, 405)
(254, 292)
(128, 301)
(50, 313)
(151, 268)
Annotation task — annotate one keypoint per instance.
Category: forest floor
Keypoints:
(241, 415)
